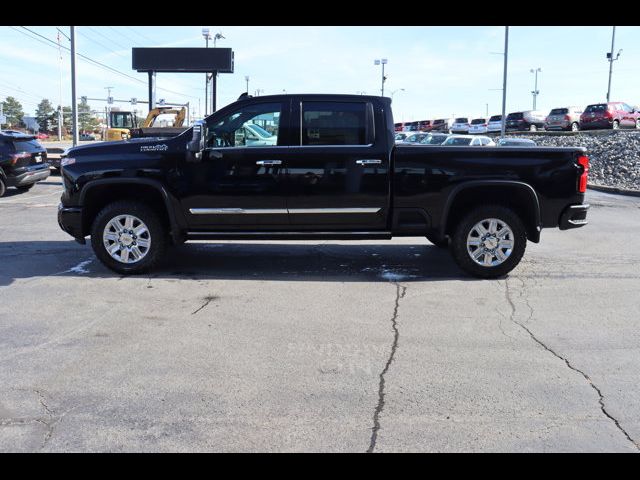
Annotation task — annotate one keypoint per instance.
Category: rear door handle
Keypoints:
(368, 162)
(268, 163)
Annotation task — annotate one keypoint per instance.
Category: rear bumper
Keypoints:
(604, 123)
(30, 177)
(70, 221)
(574, 216)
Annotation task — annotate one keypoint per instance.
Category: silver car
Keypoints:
(565, 118)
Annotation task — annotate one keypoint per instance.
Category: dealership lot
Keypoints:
(319, 346)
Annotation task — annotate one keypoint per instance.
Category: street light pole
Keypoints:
(504, 82)
(611, 60)
(74, 100)
(382, 62)
(397, 90)
(535, 91)
(246, 79)
(207, 37)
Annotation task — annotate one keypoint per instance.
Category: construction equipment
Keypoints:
(159, 122)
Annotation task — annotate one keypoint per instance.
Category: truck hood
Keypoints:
(134, 145)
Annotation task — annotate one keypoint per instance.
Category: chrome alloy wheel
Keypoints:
(126, 238)
(490, 242)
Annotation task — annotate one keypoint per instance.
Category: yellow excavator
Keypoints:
(125, 124)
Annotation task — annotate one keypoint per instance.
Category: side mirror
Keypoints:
(196, 145)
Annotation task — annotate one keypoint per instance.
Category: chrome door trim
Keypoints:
(238, 211)
(278, 211)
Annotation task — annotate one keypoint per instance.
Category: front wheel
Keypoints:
(489, 241)
(575, 127)
(616, 125)
(128, 237)
(637, 123)
(533, 128)
(3, 187)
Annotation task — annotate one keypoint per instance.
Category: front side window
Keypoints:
(255, 125)
(337, 123)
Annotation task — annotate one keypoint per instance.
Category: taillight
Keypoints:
(17, 156)
(567, 118)
(608, 114)
(583, 161)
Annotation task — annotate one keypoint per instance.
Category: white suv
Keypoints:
(460, 125)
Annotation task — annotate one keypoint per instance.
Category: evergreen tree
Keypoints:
(87, 122)
(12, 109)
(45, 115)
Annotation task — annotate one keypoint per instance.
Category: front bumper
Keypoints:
(30, 177)
(70, 221)
(574, 216)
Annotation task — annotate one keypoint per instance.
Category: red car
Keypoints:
(613, 115)
(42, 136)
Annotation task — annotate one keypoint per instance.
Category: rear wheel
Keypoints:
(638, 123)
(533, 128)
(575, 127)
(616, 125)
(489, 241)
(3, 187)
(128, 237)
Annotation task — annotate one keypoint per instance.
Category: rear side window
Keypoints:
(337, 123)
(515, 116)
(495, 118)
(462, 120)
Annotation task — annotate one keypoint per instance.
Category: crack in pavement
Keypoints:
(400, 293)
(550, 350)
(207, 301)
(52, 421)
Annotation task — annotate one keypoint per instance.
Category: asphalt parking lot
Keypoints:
(330, 346)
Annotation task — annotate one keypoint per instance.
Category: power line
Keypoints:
(107, 38)
(55, 44)
(100, 44)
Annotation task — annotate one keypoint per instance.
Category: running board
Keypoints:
(288, 235)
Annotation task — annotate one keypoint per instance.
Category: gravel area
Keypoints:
(614, 155)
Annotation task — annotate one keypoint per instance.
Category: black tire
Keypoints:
(533, 128)
(3, 187)
(616, 125)
(575, 127)
(444, 243)
(637, 123)
(25, 188)
(157, 236)
(462, 230)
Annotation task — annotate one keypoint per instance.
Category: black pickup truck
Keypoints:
(292, 167)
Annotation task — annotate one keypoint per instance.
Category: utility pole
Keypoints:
(246, 79)
(382, 62)
(207, 37)
(535, 91)
(74, 100)
(611, 60)
(504, 82)
(487, 114)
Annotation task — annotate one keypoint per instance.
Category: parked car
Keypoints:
(330, 176)
(87, 136)
(494, 124)
(531, 120)
(397, 127)
(478, 125)
(42, 136)
(415, 137)
(400, 136)
(460, 125)
(515, 142)
(410, 127)
(425, 125)
(441, 125)
(565, 118)
(23, 161)
(434, 138)
(468, 141)
(612, 115)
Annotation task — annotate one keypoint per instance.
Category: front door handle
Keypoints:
(268, 163)
(368, 162)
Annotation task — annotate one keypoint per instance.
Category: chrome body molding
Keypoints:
(278, 211)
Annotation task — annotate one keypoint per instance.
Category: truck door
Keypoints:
(238, 182)
(338, 173)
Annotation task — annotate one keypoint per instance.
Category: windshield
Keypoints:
(121, 120)
(457, 141)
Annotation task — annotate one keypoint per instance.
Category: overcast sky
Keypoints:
(443, 70)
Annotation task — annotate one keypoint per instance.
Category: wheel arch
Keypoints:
(523, 199)
(98, 193)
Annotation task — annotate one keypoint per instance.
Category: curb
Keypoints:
(616, 190)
